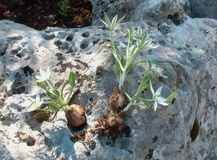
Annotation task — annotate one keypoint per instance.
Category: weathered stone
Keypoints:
(153, 12)
(203, 8)
(188, 50)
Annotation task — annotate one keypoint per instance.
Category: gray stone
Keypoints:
(187, 49)
(150, 11)
(203, 8)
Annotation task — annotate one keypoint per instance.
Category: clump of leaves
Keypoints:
(58, 100)
(64, 7)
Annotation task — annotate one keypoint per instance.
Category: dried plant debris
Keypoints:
(117, 101)
(41, 116)
(111, 125)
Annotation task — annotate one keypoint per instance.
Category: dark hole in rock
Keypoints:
(84, 44)
(96, 40)
(173, 101)
(48, 36)
(30, 141)
(85, 34)
(88, 53)
(27, 70)
(18, 88)
(20, 55)
(76, 129)
(69, 39)
(58, 43)
(65, 47)
(90, 99)
(99, 70)
(175, 19)
(131, 152)
(211, 132)
(91, 144)
(2, 53)
(2, 118)
(87, 153)
(127, 131)
(154, 139)
(150, 154)
(195, 130)
(89, 85)
(14, 51)
(60, 57)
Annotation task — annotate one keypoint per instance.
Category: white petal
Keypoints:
(155, 106)
(151, 88)
(162, 99)
(163, 103)
(42, 72)
(163, 76)
(48, 73)
(153, 46)
(159, 90)
(37, 98)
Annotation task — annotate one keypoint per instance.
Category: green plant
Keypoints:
(125, 62)
(56, 98)
(64, 7)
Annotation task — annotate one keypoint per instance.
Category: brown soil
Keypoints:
(40, 14)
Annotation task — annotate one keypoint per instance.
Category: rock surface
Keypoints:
(186, 46)
(203, 8)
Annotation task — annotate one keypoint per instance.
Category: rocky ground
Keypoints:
(186, 41)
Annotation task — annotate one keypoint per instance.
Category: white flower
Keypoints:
(156, 69)
(44, 75)
(157, 97)
(35, 105)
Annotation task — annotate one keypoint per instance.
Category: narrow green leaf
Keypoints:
(120, 20)
(72, 79)
(42, 85)
(143, 84)
(107, 21)
(54, 107)
(114, 22)
(54, 94)
(172, 96)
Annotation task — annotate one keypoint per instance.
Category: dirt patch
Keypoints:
(39, 14)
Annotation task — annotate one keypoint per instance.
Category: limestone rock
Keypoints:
(187, 49)
(150, 11)
(203, 8)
